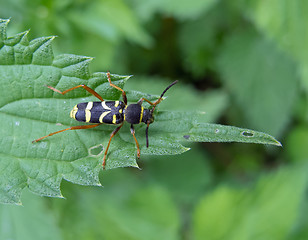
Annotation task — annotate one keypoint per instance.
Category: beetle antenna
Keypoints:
(161, 96)
(152, 110)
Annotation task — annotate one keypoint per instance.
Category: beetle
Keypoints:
(111, 112)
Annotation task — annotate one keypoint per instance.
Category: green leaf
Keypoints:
(179, 9)
(191, 130)
(111, 19)
(296, 143)
(127, 209)
(34, 220)
(29, 110)
(192, 173)
(255, 212)
(261, 79)
(199, 55)
(286, 26)
(157, 219)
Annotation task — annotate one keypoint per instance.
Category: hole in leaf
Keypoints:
(186, 136)
(96, 150)
(247, 134)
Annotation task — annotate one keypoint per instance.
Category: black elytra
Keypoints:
(111, 112)
(108, 112)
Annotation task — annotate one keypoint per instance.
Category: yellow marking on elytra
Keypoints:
(116, 103)
(73, 112)
(101, 117)
(114, 119)
(87, 111)
(88, 115)
(105, 106)
(89, 106)
(120, 110)
(141, 114)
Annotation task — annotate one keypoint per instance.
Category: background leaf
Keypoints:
(286, 27)
(253, 209)
(32, 111)
(216, 49)
(247, 63)
(113, 214)
(179, 9)
(21, 223)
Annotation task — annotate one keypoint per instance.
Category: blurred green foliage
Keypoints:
(247, 59)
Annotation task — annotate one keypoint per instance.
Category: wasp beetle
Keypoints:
(111, 112)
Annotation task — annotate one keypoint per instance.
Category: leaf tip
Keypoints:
(52, 37)
(277, 143)
(61, 196)
(135, 166)
(6, 21)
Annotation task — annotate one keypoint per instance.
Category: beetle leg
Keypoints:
(70, 128)
(114, 132)
(144, 99)
(132, 130)
(115, 86)
(90, 90)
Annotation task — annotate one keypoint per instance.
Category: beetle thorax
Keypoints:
(135, 114)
